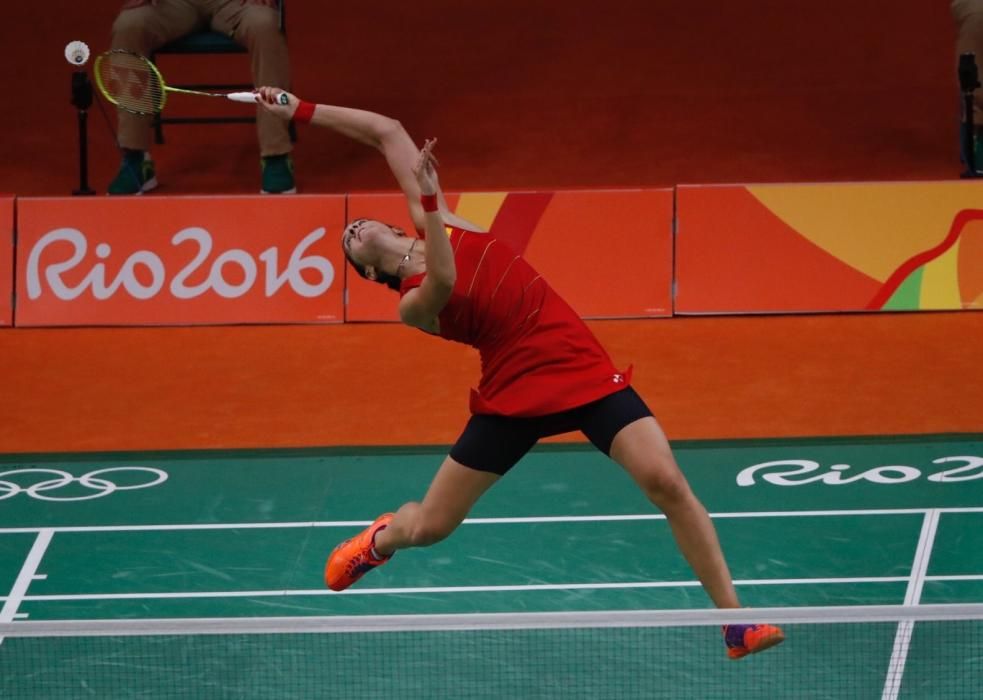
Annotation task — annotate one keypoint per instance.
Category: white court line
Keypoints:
(955, 577)
(27, 574)
(472, 589)
(456, 589)
(486, 521)
(902, 637)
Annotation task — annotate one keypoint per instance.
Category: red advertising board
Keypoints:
(607, 252)
(845, 247)
(179, 260)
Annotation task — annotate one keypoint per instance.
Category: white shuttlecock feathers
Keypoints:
(77, 53)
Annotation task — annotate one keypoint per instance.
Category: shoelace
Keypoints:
(360, 563)
(734, 634)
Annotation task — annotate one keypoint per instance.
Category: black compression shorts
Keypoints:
(492, 443)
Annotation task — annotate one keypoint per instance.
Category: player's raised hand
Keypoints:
(278, 101)
(426, 168)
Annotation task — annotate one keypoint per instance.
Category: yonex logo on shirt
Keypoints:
(618, 379)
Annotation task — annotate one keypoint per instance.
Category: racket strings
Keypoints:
(131, 82)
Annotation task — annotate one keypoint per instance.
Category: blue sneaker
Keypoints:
(136, 174)
(278, 174)
(742, 640)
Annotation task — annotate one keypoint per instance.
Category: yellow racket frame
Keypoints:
(244, 97)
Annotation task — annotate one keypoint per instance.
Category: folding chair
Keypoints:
(209, 43)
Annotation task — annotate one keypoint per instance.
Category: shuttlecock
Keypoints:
(77, 53)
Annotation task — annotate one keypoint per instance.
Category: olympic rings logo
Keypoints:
(95, 480)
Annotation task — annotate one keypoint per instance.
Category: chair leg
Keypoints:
(158, 129)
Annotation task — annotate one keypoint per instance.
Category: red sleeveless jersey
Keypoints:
(537, 355)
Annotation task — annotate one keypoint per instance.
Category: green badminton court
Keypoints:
(244, 534)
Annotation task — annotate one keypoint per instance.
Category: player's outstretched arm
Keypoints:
(383, 133)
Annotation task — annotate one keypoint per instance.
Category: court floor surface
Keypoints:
(804, 522)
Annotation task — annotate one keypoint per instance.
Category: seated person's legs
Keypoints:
(968, 15)
(142, 29)
(256, 25)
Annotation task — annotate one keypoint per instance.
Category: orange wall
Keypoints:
(208, 387)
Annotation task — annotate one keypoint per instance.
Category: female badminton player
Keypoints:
(543, 371)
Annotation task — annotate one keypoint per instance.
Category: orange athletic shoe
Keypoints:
(352, 559)
(742, 640)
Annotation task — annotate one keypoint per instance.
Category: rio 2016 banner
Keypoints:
(6, 260)
(607, 252)
(849, 247)
(179, 260)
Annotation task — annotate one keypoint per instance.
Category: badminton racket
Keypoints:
(132, 82)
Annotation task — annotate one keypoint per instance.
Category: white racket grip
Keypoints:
(252, 97)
